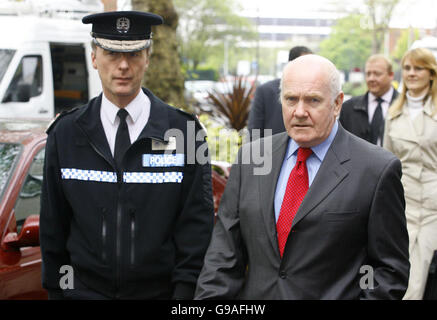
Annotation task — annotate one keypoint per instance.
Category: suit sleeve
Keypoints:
(222, 276)
(193, 228)
(256, 114)
(388, 237)
(54, 222)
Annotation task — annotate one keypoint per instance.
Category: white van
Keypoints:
(45, 66)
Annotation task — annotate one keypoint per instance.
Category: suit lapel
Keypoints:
(403, 120)
(362, 103)
(267, 187)
(330, 174)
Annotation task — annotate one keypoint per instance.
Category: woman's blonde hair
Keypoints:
(425, 59)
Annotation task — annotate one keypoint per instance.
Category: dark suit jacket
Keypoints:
(354, 115)
(266, 110)
(352, 217)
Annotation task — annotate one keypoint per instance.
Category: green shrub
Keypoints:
(223, 143)
(354, 89)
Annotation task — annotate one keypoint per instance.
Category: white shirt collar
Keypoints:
(320, 150)
(386, 96)
(134, 108)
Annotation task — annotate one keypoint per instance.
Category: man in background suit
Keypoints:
(364, 115)
(266, 110)
(327, 222)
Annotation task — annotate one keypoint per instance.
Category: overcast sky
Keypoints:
(415, 13)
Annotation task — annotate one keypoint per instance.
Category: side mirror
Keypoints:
(28, 237)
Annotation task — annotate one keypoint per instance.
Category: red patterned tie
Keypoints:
(297, 187)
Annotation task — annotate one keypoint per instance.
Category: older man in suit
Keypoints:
(364, 115)
(327, 222)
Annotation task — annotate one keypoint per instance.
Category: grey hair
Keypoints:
(334, 84)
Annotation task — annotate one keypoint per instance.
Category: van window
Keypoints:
(5, 58)
(70, 75)
(27, 80)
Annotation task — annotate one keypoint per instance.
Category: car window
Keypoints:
(8, 156)
(28, 202)
(27, 80)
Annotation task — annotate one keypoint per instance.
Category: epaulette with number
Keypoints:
(58, 117)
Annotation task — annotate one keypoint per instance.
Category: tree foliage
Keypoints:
(405, 40)
(349, 45)
(164, 76)
(376, 18)
(205, 24)
(379, 13)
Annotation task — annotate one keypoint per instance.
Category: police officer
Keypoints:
(125, 208)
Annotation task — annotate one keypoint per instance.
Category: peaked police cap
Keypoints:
(122, 31)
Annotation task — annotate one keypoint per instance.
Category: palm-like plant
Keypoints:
(232, 104)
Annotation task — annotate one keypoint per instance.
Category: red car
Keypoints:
(21, 171)
(21, 168)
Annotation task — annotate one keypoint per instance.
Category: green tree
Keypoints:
(379, 13)
(206, 25)
(405, 40)
(376, 17)
(164, 76)
(348, 45)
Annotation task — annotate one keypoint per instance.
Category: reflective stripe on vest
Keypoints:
(128, 177)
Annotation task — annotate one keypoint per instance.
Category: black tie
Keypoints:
(377, 124)
(122, 139)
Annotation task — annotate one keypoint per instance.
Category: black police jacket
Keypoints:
(137, 232)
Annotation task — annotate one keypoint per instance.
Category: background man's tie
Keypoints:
(297, 187)
(377, 124)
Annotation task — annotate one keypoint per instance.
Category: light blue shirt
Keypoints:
(313, 164)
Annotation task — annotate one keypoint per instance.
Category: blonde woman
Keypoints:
(411, 134)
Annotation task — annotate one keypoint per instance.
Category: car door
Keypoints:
(20, 264)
